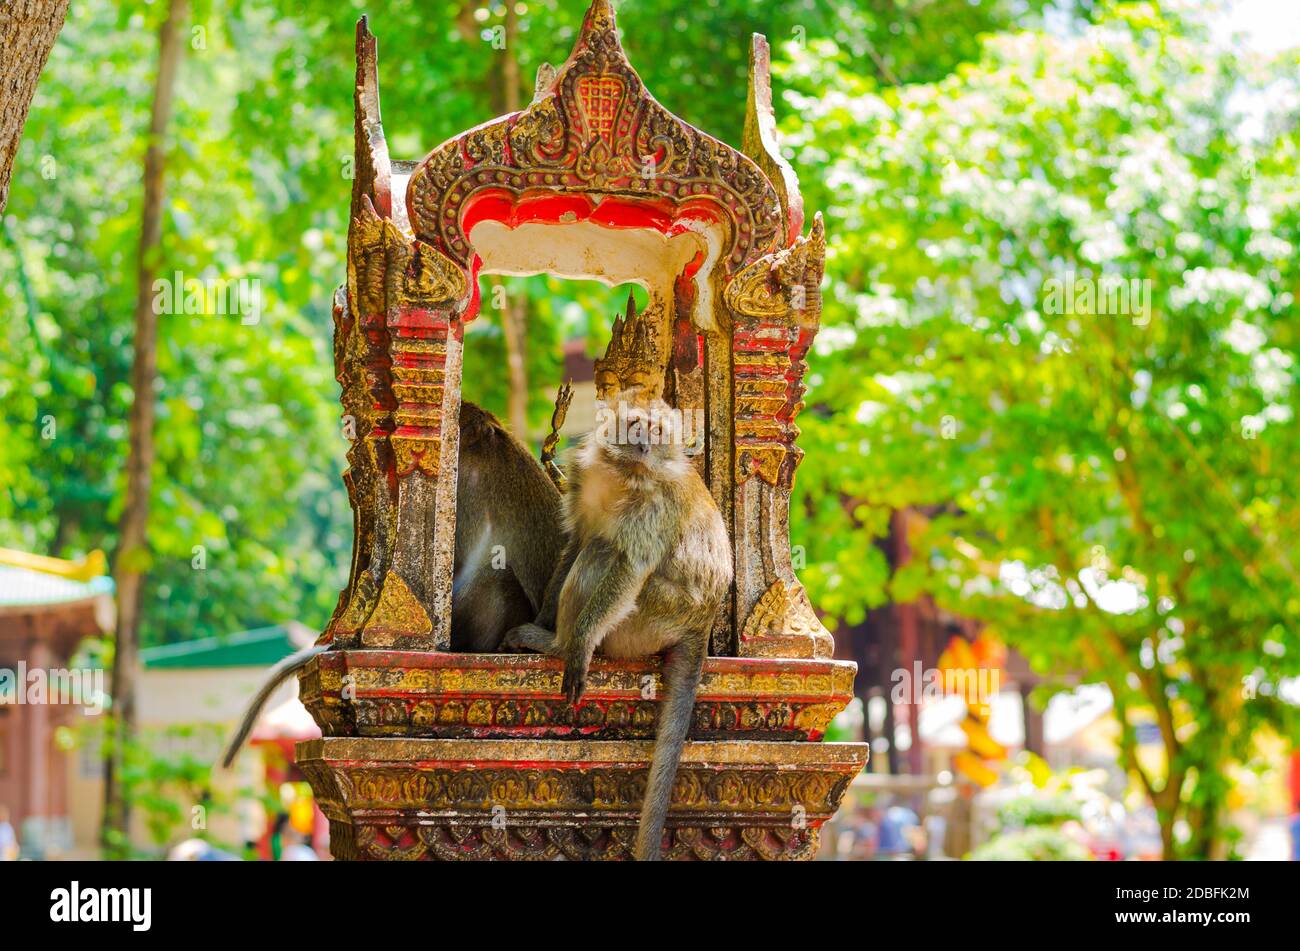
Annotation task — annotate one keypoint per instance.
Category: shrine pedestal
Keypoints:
(472, 756)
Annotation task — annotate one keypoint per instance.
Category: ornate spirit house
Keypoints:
(440, 755)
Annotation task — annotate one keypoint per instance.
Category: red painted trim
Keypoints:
(440, 659)
(548, 206)
(520, 764)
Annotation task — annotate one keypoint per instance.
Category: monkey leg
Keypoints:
(488, 603)
(547, 613)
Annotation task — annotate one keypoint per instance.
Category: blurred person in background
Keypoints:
(298, 850)
(199, 850)
(1295, 834)
(898, 830)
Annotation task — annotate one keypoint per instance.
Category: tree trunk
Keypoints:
(513, 325)
(1207, 812)
(1168, 848)
(1203, 821)
(132, 551)
(28, 29)
(514, 318)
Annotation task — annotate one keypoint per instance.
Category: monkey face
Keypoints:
(642, 433)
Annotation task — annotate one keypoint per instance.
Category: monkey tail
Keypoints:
(682, 668)
(278, 675)
(473, 563)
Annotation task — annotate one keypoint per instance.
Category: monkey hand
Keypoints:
(575, 678)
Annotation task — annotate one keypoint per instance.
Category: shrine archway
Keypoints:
(593, 180)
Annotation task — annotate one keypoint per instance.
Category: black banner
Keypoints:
(922, 900)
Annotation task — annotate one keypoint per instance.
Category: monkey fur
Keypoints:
(645, 570)
(508, 539)
(508, 533)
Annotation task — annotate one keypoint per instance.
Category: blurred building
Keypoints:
(906, 637)
(190, 696)
(47, 606)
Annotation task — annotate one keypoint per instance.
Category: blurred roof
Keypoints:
(22, 588)
(260, 647)
(73, 594)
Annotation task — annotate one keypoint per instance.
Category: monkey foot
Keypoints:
(575, 682)
(530, 637)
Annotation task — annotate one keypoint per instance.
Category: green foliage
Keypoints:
(1111, 492)
(1039, 810)
(1035, 844)
(246, 476)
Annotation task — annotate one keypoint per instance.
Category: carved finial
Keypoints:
(632, 359)
(372, 171)
(760, 142)
(551, 444)
(599, 12)
(599, 27)
(545, 82)
(817, 233)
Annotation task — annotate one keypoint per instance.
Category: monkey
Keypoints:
(508, 534)
(509, 537)
(645, 570)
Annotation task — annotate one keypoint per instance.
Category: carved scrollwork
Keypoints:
(598, 788)
(781, 616)
(432, 278)
(776, 303)
(457, 842)
(593, 127)
(769, 288)
(397, 616)
(460, 696)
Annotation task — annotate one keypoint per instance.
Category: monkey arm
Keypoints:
(611, 584)
(546, 615)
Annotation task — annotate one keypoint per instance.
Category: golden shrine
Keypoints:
(432, 754)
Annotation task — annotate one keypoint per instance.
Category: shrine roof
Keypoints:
(35, 581)
(597, 138)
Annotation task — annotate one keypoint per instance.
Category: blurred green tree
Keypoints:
(248, 519)
(1109, 479)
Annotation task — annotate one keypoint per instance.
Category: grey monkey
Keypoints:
(508, 539)
(645, 570)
